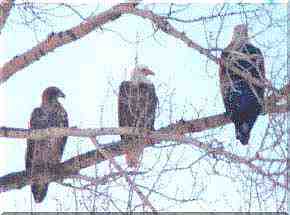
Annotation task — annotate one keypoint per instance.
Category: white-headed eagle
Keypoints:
(243, 101)
(42, 154)
(137, 105)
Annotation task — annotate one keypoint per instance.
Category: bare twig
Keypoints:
(203, 18)
(110, 157)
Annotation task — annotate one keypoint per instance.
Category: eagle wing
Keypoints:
(225, 83)
(137, 105)
(61, 121)
(255, 65)
(42, 118)
(260, 69)
(241, 100)
(37, 121)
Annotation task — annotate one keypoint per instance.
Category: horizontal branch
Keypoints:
(171, 132)
(71, 166)
(204, 18)
(37, 134)
(181, 127)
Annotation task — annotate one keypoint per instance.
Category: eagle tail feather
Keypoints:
(134, 153)
(39, 192)
(243, 133)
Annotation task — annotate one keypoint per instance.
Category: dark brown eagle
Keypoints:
(137, 104)
(42, 154)
(243, 101)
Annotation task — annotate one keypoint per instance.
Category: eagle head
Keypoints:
(51, 94)
(140, 73)
(240, 34)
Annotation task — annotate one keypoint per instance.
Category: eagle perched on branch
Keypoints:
(137, 104)
(243, 101)
(42, 154)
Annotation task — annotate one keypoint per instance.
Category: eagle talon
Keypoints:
(180, 132)
(227, 114)
(148, 140)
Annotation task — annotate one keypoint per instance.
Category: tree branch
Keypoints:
(191, 126)
(95, 181)
(166, 27)
(55, 40)
(162, 23)
(70, 167)
(5, 7)
(171, 132)
(203, 18)
(181, 127)
(110, 157)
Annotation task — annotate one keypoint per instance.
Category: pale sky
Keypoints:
(89, 72)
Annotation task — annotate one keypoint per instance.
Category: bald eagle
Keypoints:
(243, 101)
(137, 104)
(42, 154)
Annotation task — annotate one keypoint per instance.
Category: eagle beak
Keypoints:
(148, 72)
(61, 94)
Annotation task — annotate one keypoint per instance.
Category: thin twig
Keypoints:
(110, 157)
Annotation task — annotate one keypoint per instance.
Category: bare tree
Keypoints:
(189, 145)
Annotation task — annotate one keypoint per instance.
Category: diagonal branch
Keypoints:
(162, 23)
(63, 170)
(55, 40)
(172, 132)
(5, 8)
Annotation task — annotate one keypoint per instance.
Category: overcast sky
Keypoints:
(89, 72)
